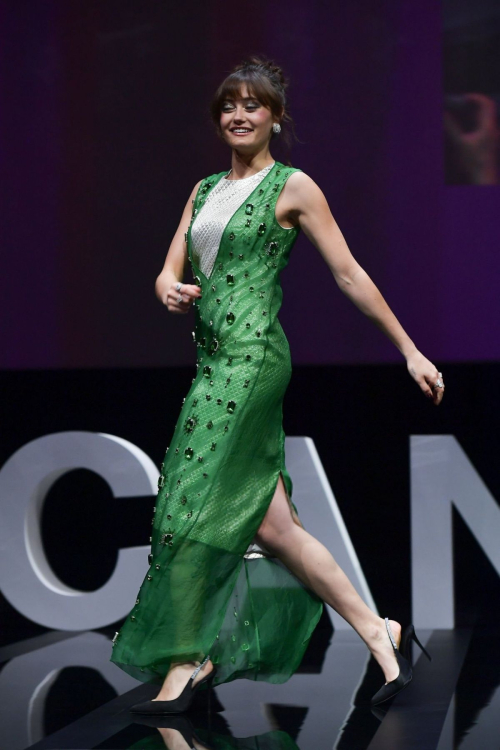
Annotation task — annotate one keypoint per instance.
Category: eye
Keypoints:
(227, 106)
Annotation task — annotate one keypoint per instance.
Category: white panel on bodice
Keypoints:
(220, 205)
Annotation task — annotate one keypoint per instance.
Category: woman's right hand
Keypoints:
(174, 268)
(181, 301)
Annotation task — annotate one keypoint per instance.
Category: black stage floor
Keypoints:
(59, 690)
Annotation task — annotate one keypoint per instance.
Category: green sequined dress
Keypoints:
(208, 590)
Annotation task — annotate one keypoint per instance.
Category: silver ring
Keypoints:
(179, 298)
(439, 383)
(178, 286)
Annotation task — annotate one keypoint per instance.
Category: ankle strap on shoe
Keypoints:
(200, 667)
(389, 633)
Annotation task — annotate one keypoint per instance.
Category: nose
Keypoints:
(239, 113)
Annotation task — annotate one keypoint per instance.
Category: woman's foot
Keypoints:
(381, 648)
(178, 676)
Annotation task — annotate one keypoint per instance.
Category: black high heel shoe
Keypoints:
(180, 704)
(403, 656)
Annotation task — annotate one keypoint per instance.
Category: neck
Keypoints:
(245, 165)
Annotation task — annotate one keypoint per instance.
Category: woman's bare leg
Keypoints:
(283, 535)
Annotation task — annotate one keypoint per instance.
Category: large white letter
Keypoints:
(443, 476)
(26, 578)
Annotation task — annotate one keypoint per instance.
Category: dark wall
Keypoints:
(105, 132)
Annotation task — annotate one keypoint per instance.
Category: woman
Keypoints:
(210, 599)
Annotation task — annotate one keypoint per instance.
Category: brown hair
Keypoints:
(266, 82)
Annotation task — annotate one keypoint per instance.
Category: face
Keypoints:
(245, 123)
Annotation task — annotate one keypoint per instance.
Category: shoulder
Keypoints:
(302, 188)
(299, 179)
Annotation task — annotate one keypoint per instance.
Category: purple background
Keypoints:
(104, 132)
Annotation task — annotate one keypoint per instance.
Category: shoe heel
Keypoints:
(414, 637)
(208, 679)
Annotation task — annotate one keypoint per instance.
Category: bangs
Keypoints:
(258, 87)
(232, 88)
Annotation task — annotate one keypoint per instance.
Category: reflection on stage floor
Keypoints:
(59, 690)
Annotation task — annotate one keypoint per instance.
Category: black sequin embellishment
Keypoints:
(189, 425)
(272, 248)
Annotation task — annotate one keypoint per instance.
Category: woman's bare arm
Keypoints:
(173, 269)
(308, 207)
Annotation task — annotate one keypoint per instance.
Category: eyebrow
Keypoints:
(243, 98)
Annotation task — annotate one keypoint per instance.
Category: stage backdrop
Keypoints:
(105, 131)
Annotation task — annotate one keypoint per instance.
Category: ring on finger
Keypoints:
(178, 286)
(179, 298)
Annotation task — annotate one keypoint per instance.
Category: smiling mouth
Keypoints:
(241, 131)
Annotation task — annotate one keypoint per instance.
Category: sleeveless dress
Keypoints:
(210, 591)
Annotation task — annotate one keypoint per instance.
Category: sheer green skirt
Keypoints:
(207, 591)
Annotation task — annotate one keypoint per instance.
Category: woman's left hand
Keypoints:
(426, 375)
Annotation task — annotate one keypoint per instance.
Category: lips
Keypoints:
(241, 131)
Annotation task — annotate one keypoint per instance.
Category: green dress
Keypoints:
(206, 592)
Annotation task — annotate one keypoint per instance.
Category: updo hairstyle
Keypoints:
(266, 82)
